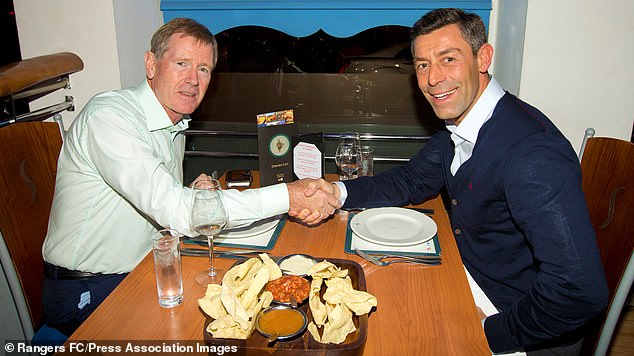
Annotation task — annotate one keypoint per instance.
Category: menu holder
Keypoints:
(275, 130)
(309, 158)
(428, 248)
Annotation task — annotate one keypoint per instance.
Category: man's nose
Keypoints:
(192, 77)
(436, 75)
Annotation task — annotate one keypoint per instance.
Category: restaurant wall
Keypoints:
(577, 65)
(110, 37)
(572, 64)
(508, 23)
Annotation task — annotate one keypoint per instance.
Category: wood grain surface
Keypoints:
(608, 183)
(21, 75)
(421, 310)
(28, 165)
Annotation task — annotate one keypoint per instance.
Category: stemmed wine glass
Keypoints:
(348, 155)
(208, 218)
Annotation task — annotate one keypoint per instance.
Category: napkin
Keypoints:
(484, 303)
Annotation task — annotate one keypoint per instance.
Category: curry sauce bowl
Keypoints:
(284, 320)
(289, 289)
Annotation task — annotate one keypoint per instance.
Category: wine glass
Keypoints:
(208, 218)
(348, 155)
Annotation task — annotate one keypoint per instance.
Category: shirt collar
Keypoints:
(156, 117)
(478, 115)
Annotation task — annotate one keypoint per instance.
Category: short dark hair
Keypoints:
(471, 26)
(186, 27)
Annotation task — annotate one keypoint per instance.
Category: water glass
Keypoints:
(367, 162)
(167, 267)
(348, 154)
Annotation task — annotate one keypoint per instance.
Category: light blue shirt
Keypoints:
(120, 179)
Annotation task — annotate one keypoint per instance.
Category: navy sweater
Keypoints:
(519, 218)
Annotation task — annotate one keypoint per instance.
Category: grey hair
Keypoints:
(186, 27)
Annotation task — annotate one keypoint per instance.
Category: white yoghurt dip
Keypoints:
(297, 265)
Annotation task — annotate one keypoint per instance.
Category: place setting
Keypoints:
(260, 235)
(209, 218)
(390, 235)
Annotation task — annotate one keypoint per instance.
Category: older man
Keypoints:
(120, 178)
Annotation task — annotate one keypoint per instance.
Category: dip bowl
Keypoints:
(296, 264)
(282, 320)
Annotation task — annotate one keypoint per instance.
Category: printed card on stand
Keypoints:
(308, 156)
(275, 132)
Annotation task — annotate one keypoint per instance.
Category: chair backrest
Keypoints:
(607, 169)
(28, 166)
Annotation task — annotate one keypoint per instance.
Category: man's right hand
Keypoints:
(312, 200)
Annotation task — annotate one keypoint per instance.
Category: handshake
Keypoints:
(312, 200)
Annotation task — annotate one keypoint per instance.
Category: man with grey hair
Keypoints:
(120, 178)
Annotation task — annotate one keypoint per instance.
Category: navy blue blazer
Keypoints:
(520, 221)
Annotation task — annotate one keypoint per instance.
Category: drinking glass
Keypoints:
(208, 218)
(348, 155)
(167, 267)
(367, 162)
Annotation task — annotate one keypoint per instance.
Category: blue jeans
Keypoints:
(67, 303)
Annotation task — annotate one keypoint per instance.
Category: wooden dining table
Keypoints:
(422, 310)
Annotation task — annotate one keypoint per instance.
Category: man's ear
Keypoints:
(150, 62)
(485, 56)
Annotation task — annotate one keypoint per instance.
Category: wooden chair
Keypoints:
(28, 166)
(24, 81)
(608, 182)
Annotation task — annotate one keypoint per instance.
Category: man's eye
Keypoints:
(422, 66)
(449, 59)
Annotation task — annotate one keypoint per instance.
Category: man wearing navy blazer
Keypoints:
(518, 213)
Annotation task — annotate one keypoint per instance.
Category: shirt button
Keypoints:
(457, 231)
(454, 202)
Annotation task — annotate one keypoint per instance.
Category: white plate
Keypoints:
(256, 228)
(393, 226)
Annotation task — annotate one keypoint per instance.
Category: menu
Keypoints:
(275, 133)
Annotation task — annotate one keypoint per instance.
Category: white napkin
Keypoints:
(427, 247)
(484, 303)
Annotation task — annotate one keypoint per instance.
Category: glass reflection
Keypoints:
(364, 79)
